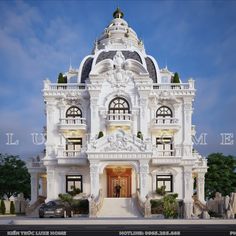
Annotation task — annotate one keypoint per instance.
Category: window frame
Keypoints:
(79, 180)
(74, 112)
(165, 180)
(80, 142)
(164, 144)
(164, 112)
(121, 108)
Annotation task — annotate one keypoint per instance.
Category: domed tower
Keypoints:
(124, 122)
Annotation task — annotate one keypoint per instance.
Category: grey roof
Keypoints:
(86, 69)
(151, 69)
(127, 54)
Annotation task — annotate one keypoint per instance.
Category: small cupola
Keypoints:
(118, 13)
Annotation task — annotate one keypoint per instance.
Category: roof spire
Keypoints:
(118, 13)
(70, 67)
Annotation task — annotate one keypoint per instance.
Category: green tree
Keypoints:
(221, 175)
(12, 207)
(176, 78)
(14, 176)
(61, 79)
(2, 207)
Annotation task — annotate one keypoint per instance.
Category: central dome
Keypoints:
(118, 34)
(118, 37)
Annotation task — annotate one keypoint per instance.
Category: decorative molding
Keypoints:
(118, 142)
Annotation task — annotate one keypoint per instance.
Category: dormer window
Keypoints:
(165, 80)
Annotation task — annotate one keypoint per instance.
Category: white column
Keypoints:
(34, 187)
(143, 175)
(143, 117)
(187, 117)
(94, 178)
(94, 117)
(135, 122)
(51, 186)
(201, 186)
(188, 192)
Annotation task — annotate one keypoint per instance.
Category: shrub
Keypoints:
(214, 214)
(12, 208)
(2, 207)
(80, 206)
(65, 197)
(157, 206)
(161, 191)
(170, 205)
(74, 191)
(100, 134)
(140, 135)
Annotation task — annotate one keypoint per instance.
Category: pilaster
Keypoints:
(188, 191)
(34, 187)
(94, 178)
(143, 175)
(201, 186)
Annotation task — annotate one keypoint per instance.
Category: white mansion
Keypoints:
(122, 120)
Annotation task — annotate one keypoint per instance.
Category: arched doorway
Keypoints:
(119, 176)
(121, 173)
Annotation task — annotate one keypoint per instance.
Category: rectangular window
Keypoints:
(165, 180)
(74, 181)
(73, 144)
(165, 146)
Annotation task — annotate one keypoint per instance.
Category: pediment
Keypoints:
(118, 142)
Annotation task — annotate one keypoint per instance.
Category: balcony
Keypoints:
(171, 86)
(165, 157)
(119, 119)
(178, 89)
(69, 89)
(72, 156)
(72, 124)
(165, 123)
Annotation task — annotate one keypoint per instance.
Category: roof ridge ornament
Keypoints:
(118, 13)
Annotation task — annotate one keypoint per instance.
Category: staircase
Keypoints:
(32, 210)
(119, 207)
(198, 207)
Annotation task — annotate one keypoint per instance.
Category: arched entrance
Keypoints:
(120, 177)
(122, 174)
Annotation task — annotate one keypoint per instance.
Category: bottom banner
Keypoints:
(116, 230)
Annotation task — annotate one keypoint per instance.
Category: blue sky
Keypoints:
(195, 38)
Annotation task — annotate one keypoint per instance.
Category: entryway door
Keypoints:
(121, 176)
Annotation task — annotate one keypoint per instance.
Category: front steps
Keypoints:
(119, 207)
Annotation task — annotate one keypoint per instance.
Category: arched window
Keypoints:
(73, 112)
(164, 112)
(119, 105)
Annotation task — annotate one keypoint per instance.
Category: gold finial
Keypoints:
(118, 13)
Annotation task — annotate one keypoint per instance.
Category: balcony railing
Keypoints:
(71, 153)
(119, 117)
(73, 121)
(171, 86)
(69, 86)
(163, 121)
(164, 153)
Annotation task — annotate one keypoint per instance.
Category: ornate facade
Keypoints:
(119, 119)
